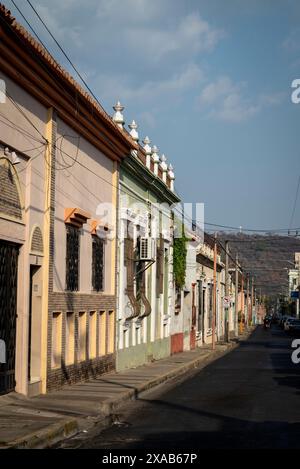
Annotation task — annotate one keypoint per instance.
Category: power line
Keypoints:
(63, 52)
(50, 73)
(88, 88)
(81, 164)
(256, 230)
(25, 116)
(75, 160)
(295, 203)
(14, 126)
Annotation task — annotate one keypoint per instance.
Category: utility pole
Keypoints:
(247, 300)
(252, 298)
(256, 304)
(226, 291)
(214, 296)
(242, 304)
(236, 319)
(298, 288)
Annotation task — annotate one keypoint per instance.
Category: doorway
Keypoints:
(9, 253)
(35, 325)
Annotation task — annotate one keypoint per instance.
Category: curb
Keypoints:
(68, 428)
(111, 405)
(46, 437)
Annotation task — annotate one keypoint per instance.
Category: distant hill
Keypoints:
(272, 252)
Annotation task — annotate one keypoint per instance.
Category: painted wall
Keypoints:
(141, 341)
(83, 188)
(205, 273)
(17, 133)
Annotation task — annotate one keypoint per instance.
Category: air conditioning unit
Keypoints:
(146, 249)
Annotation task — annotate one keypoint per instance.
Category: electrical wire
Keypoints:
(51, 74)
(75, 160)
(25, 116)
(14, 126)
(256, 230)
(82, 79)
(64, 53)
(295, 203)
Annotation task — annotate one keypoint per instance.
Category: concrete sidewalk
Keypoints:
(41, 421)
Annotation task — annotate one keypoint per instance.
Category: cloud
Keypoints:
(144, 53)
(129, 11)
(292, 41)
(227, 101)
(150, 91)
(189, 37)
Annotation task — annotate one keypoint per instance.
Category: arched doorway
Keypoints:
(11, 209)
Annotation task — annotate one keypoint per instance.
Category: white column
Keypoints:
(148, 151)
(171, 176)
(164, 167)
(155, 157)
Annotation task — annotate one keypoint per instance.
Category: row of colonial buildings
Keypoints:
(87, 223)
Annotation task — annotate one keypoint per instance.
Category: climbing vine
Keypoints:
(179, 259)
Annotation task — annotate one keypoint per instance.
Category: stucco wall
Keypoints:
(17, 133)
(151, 339)
(82, 188)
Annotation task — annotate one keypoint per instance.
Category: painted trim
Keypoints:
(46, 263)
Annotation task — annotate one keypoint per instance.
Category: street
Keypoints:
(246, 399)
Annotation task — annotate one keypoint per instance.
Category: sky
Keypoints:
(209, 81)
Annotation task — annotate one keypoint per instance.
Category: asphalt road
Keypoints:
(247, 399)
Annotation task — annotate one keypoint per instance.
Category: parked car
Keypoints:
(293, 326)
(287, 322)
(284, 319)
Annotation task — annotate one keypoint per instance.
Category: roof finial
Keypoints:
(148, 151)
(171, 176)
(164, 167)
(118, 117)
(155, 157)
(133, 132)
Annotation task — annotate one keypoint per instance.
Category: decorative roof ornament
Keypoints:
(148, 151)
(171, 176)
(164, 167)
(155, 157)
(133, 132)
(134, 153)
(118, 117)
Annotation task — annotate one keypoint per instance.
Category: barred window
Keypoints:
(72, 258)
(98, 264)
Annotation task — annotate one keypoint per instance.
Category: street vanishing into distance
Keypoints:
(249, 398)
(149, 228)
